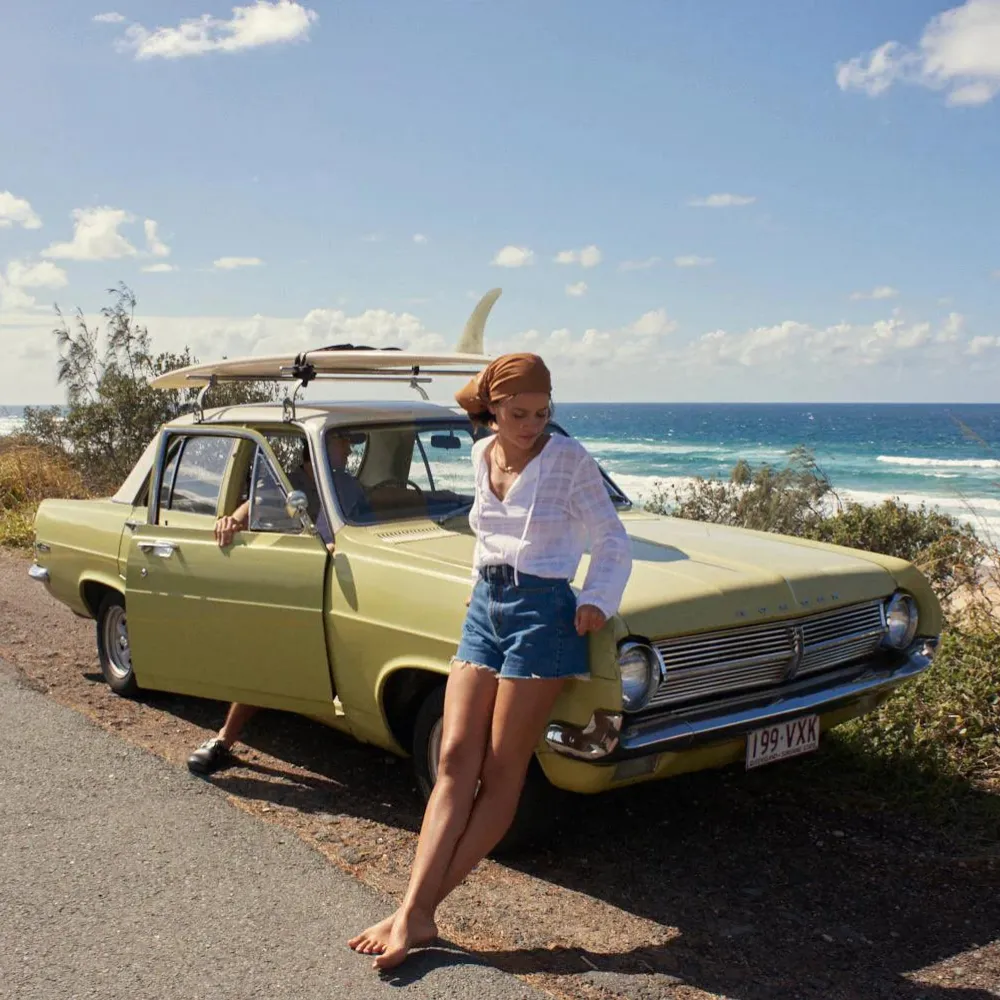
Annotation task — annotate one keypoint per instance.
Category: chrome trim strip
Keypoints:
(665, 733)
(38, 573)
(707, 665)
(603, 741)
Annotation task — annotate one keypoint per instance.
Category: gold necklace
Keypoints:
(509, 469)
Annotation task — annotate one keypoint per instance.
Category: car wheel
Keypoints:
(113, 646)
(536, 811)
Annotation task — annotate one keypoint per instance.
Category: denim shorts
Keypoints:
(523, 631)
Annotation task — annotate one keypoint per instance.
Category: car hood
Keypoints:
(690, 576)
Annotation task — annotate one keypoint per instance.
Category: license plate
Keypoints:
(783, 739)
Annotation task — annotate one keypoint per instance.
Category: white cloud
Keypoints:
(588, 256)
(160, 268)
(980, 345)
(841, 345)
(654, 323)
(232, 263)
(637, 346)
(952, 329)
(511, 256)
(95, 236)
(372, 238)
(17, 211)
(959, 53)
(20, 275)
(724, 200)
(112, 17)
(420, 238)
(876, 294)
(257, 24)
(577, 290)
(639, 265)
(154, 244)
(692, 260)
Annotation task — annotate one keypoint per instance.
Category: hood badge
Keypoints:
(763, 612)
(797, 642)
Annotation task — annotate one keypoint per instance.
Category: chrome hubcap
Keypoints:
(116, 643)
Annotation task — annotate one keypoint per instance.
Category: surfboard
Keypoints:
(345, 361)
(281, 367)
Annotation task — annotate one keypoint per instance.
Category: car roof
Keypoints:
(325, 414)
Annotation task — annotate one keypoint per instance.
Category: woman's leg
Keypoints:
(522, 708)
(468, 707)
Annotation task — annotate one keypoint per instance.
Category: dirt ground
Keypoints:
(748, 886)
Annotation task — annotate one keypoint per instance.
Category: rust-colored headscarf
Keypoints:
(508, 375)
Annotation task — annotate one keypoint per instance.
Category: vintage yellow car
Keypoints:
(730, 645)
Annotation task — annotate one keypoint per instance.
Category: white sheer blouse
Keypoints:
(552, 510)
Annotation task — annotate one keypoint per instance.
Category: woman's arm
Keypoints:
(610, 549)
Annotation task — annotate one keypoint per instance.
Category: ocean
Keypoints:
(942, 455)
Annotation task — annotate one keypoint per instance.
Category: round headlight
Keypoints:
(901, 621)
(639, 665)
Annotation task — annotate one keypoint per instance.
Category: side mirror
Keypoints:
(296, 504)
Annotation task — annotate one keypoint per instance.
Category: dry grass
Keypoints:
(28, 475)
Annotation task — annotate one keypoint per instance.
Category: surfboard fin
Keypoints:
(471, 341)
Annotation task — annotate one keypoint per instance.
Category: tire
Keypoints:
(537, 810)
(113, 646)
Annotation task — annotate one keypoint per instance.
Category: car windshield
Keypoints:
(397, 471)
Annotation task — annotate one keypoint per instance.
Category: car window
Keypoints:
(170, 469)
(267, 500)
(403, 471)
(197, 481)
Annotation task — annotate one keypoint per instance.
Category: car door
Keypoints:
(244, 622)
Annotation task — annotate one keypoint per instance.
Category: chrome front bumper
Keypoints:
(610, 737)
(38, 573)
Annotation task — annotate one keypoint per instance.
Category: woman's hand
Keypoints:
(589, 619)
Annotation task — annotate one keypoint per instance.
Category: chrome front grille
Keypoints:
(704, 666)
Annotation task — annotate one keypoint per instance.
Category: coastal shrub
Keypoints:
(934, 746)
(111, 411)
(792, 499)
(28, 474)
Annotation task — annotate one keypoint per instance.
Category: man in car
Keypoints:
(216, 753)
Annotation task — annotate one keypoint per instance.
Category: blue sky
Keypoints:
(708, 201)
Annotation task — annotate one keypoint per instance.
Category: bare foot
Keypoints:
(375, 940)
(409, 930)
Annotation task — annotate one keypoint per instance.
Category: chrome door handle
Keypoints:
(162, 549)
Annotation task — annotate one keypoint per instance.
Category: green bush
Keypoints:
(791, 500)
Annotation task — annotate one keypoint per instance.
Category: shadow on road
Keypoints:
(795, 881)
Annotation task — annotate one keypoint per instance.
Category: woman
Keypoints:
(539, 498)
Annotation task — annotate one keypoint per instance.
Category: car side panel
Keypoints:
(82, 537)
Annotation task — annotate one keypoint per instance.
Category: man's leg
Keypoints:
(214, 753)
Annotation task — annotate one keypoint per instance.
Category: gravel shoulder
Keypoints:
(752, 886)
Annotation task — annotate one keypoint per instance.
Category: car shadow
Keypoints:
(801, 880)
(781, 884)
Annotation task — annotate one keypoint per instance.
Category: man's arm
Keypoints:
(229, 524)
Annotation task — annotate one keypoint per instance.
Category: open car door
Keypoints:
(241, 623)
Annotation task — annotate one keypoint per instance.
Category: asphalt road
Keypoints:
(122, 876)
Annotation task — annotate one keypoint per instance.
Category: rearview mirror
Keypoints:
(451, 441)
